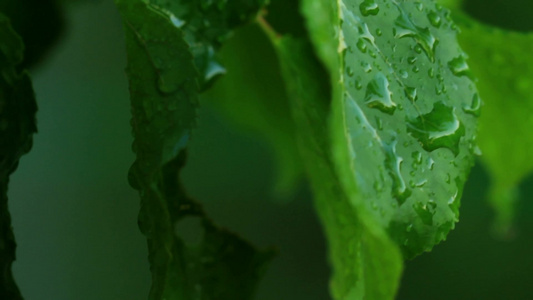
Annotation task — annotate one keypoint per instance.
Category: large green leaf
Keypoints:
(403, 125)
(17, 126)
(213, 263)
(501, 61)
(366, 265)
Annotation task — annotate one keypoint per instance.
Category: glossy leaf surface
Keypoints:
(365, 265)
(17, 126)
(206, 24)
(213, 263)
(402, 126)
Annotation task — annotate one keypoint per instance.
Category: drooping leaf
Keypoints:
(501, 61)
(164, 87)
(17, 126)
(402, 124)
(38, 22)
(365, 265)
(206, 24)
(252, 95)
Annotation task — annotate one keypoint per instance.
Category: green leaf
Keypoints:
(402, 126)
(252, 95)
(163, 76)
(17, 126)
(206, 25)
(501, 61)
(366, 265)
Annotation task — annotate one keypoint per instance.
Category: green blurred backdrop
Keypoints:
(74, 214)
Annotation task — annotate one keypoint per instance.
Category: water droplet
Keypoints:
(350, 71)
(411, 93)
(425, 211)
(406, 28)
(379, 123)
(440, 128)
(409, 228)
(213, 71)
(366, 67)
(431, 163)
(369, 7)
(378, 94)
(431, 72)
(379, 32)
(178, 23)
(419, 6)
(412, 59)
(475, 107)
(434, 19)
(361, 45)
(459, 67)
(358, 84)
(417, 157)
(393, 162)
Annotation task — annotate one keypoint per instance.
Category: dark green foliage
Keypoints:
(17, 126)
(164, 87)
(376, 96)
(206, 24)
(38, 22)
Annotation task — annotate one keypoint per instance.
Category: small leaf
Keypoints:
(17, 126)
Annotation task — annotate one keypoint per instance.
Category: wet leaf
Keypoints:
(403, 138)
(366, 265)
(164, 87)
(17, 126)
(206, 24)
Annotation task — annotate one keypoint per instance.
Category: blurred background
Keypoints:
(74, 214)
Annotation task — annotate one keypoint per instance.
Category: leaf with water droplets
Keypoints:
(366, 263)
(163, 81)
(206, 24)
(501, 62)
(402, 142)
(17, 126)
